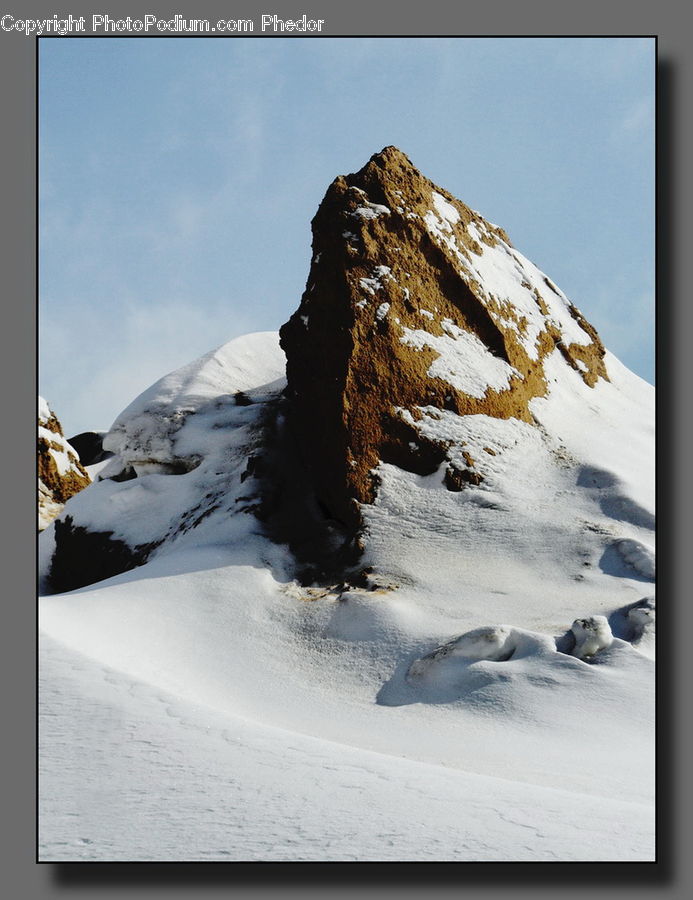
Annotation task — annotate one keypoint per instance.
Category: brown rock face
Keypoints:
(414, 300)
(60, 473)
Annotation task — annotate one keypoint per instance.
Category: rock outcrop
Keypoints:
(414, 301)
(418, 315)
(60, 473)
(89, 447)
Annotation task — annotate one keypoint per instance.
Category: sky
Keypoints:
(178, 178)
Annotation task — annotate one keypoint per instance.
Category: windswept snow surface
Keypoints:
(205, 706)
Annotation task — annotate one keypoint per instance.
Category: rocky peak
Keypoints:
(60, 473)
(414, 302)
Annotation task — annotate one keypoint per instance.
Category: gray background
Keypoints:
(20, 875)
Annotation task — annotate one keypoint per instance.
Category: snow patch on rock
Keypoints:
(463, 360)
(445, 209)
(592, 634)
(60, 474)
(371, 211)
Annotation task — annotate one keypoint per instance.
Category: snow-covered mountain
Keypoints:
(408, 568)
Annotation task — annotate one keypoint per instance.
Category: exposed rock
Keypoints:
(60, 473)
(84, 557)
(592, 634)
(89, 447)
(414, 301)
(417, 312)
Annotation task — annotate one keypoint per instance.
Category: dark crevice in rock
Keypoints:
(242, 399)
(125, 474)
(407, 449)
(473, 316)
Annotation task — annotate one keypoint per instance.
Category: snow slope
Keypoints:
(207, 706)
(166, 779)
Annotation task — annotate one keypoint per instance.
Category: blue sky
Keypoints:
(178, 178)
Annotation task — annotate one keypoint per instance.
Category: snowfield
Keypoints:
(487, 696)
